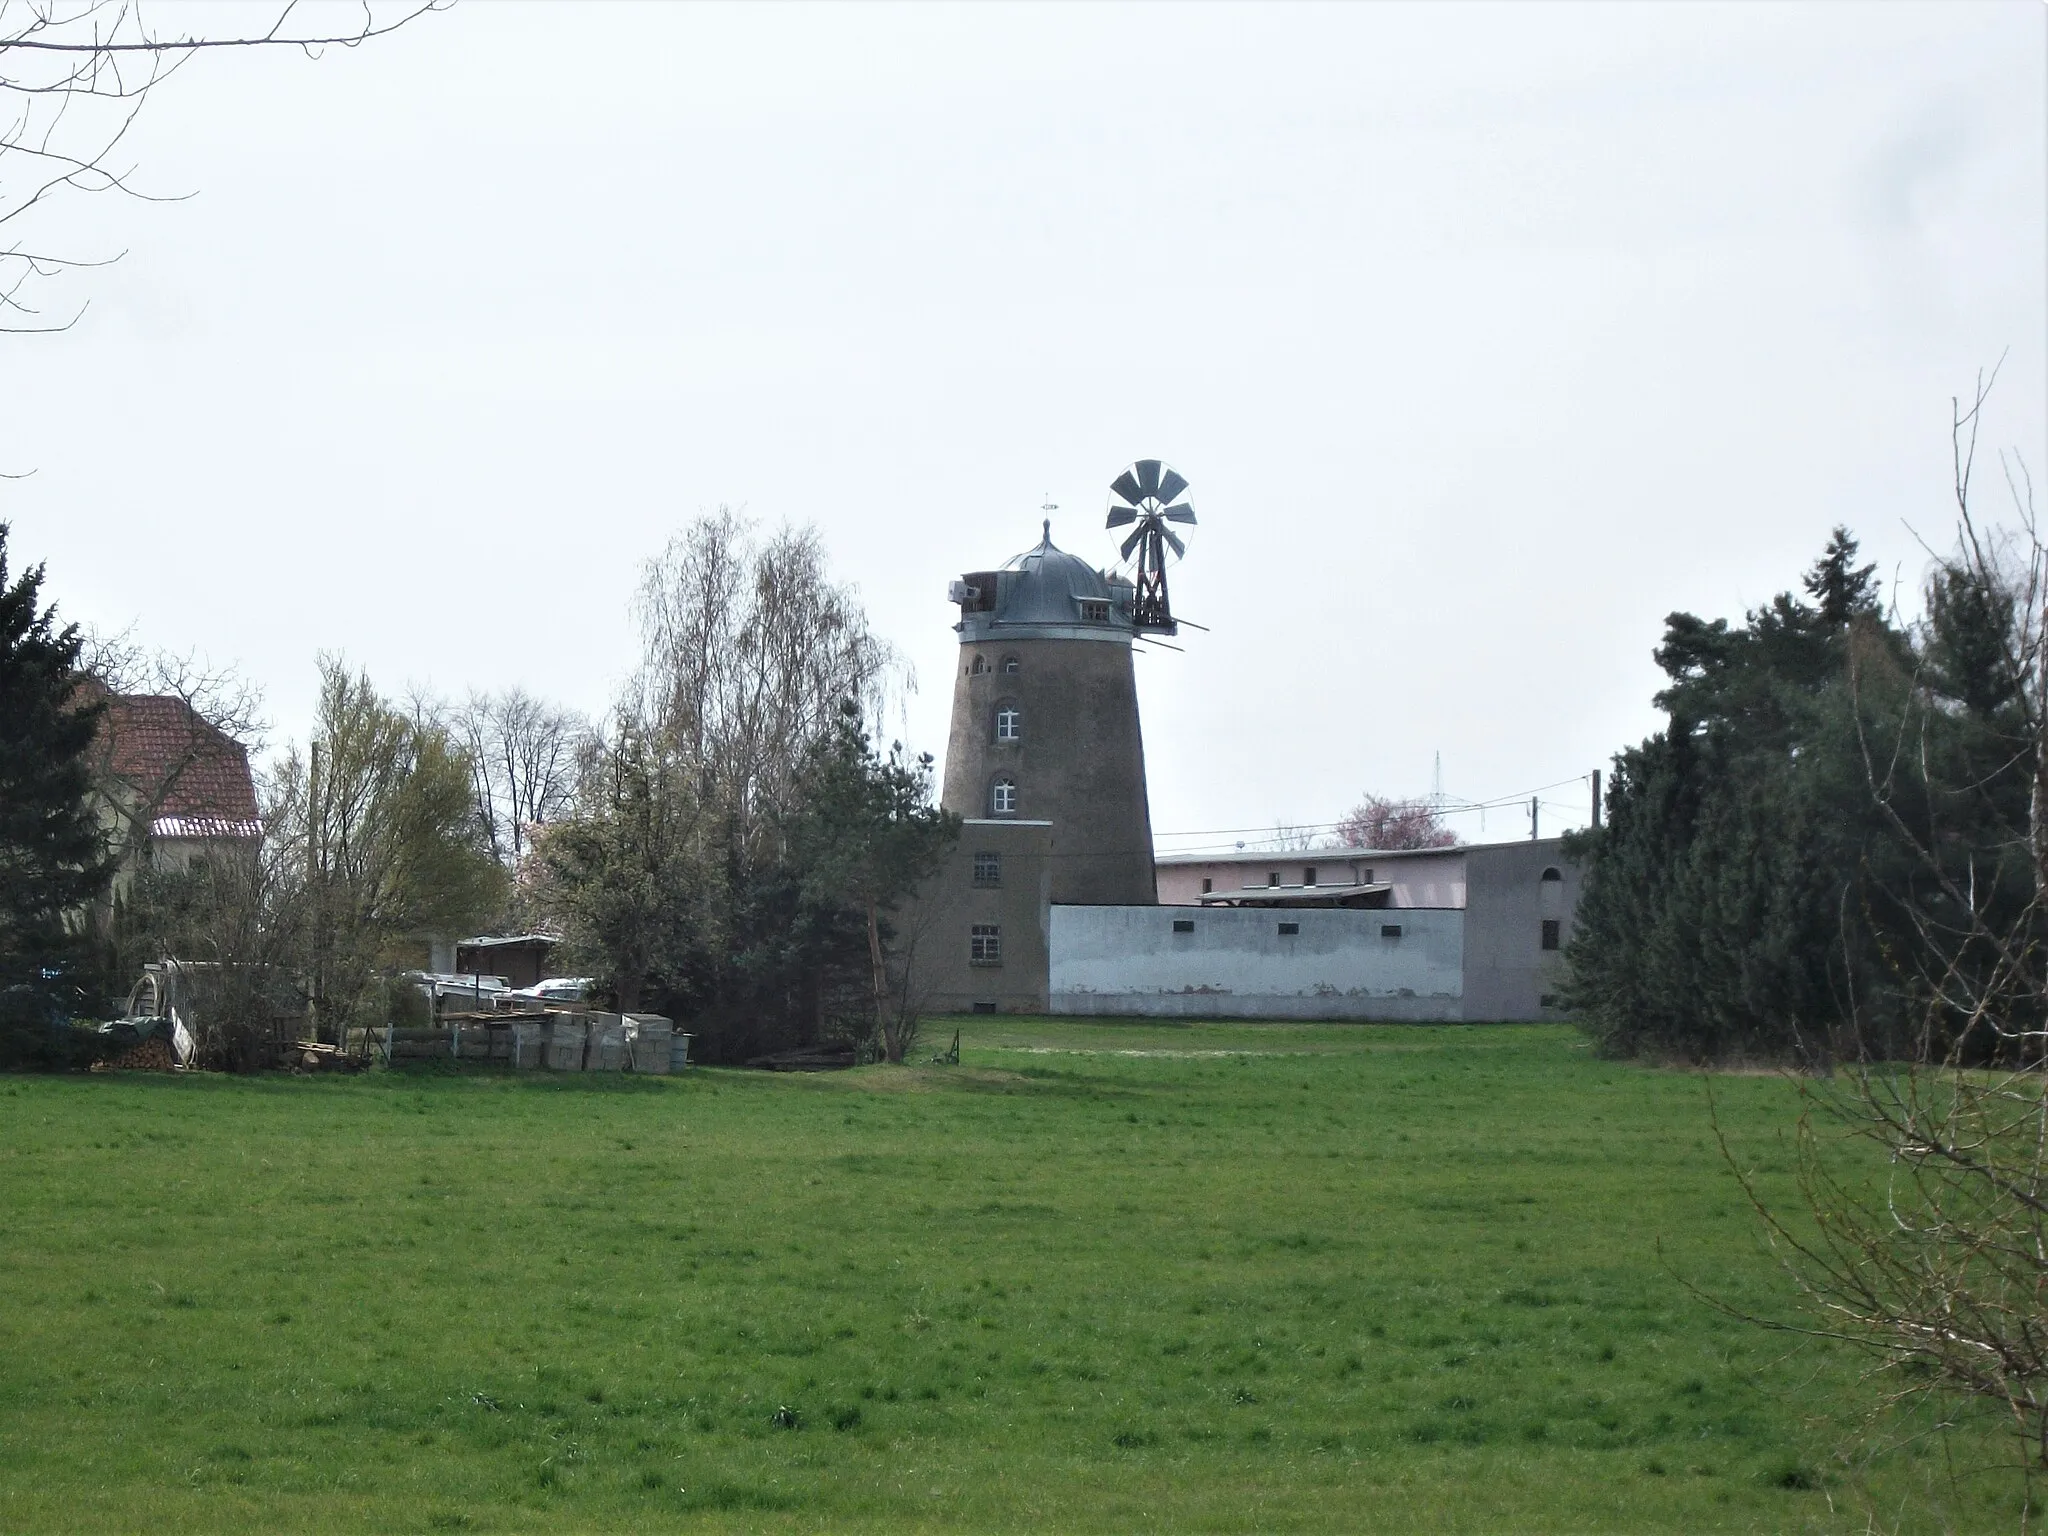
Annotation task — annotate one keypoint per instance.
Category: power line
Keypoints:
(1465, 807)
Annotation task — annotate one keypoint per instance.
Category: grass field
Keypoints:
(1096, 1277)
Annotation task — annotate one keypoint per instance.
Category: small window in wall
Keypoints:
(1010, 665)
(1287, 928)
(1183, 925)
(980, 666)
(1208, 885)
(1308, 875)
(1009, 723)
(1368, 874)
(985, 944)
(1095, 609)
(1273, 878)
(988, 869)
(984, 1007)
(1002, 797)
(1390, 930)
(1551, 927)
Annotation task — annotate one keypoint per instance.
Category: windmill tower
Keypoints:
(1045, 702)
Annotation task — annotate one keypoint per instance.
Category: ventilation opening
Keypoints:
(1287, 928)
(1183, 925)
(984, 1007)
(1390, 930)
(1551, 927)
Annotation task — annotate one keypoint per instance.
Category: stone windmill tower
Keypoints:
(1045, 703)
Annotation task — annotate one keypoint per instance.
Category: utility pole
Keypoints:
(1596, 798)
(1532, 818)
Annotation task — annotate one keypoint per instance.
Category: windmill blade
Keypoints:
(1184, 513)
(1126, 486)
(1174, 539)
(1171, 484)
(1148, 476)
(1118, 516)
(1135, 540)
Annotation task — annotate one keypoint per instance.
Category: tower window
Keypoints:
(1551, 930)
(985, 944)
(988, 869)
(1009, 723)
(1002, 797)
(1010, 664)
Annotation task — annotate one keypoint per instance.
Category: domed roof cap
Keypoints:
(1041, 585)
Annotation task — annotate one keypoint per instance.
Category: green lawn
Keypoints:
(1098, 1276)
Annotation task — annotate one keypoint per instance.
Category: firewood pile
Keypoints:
(313, 1056)
(151, 1055)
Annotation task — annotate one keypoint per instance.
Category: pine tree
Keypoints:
(53, 860)
(1843, 589)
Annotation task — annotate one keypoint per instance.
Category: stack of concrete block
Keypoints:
(652, 1038)
(529, 1044)
(607, 1043)
(568, 1037)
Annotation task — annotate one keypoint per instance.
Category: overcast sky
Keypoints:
(1487, 335)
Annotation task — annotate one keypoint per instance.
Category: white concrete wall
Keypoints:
(1237, 965)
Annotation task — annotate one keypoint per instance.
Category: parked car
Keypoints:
(555, 989)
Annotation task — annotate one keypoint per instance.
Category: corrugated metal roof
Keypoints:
(208, 827)
(1294, 895)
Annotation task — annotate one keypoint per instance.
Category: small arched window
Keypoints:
(1002, 797)
(1550, 895)
(1009, 722)
(980, 666)
(1010, 665)
(1553, 873)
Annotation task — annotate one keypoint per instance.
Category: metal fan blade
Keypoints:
(1184, 513)
(1118, 516)
(1133, 542)
(1171, 484)
(1148, 477)
(1126, 486)
(1174, 539)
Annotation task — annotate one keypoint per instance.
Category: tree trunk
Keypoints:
(2037, 810)
(892, 1038)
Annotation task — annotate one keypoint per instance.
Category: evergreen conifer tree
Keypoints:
(53, 859)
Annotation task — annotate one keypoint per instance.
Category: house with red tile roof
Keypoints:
(176, 789)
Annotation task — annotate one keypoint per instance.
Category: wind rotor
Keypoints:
(1149, 494)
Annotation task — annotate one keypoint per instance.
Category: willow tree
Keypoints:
(393, 853)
